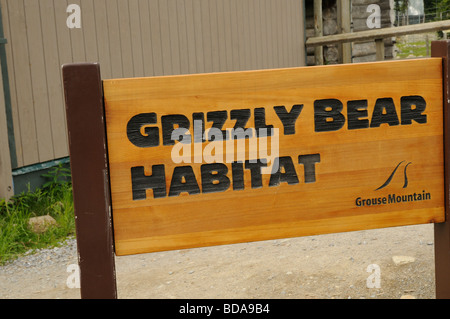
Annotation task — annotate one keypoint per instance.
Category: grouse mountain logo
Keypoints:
(388, 181)
(394, 198)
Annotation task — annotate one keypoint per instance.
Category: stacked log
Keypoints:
(361, 51)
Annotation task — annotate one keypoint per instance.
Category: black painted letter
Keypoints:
(168, 123)
(255, 171)
(384, 113)
(309, 163)
(262, 130)
(199, 127)
(327, 115)
(288, 176)
(237, 169)
(288, 118)
(183, 180)
(150, 138)
(218, 118)
(409, 114)
(357, 114)
(214, 178)
(241, 117)
(141, 182)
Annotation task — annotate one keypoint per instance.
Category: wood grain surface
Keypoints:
(361, 147)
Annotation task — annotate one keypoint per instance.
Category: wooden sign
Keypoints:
(324, 149)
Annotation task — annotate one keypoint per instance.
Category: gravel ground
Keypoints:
(37, 272)
(335, 266)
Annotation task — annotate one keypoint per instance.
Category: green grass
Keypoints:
(417, 49)
(54, 199)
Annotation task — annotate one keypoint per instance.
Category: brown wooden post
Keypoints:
(441, 49)
(90, 179)
(379, 43)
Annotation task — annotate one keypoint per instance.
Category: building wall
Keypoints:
(366, 51)
(361, 51)
(133, 38)
(330, 26)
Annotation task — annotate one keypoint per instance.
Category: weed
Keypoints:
(54, 199)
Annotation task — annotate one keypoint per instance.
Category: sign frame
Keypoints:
(91, 180)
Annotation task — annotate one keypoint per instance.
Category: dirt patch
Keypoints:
(337, 266)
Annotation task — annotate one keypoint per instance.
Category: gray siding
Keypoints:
(134, 38)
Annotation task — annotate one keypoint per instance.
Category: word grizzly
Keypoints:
(142, 132)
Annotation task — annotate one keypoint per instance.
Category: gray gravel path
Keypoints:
(325, 266)
(37, 271)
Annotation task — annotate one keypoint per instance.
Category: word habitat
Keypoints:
(215, 177)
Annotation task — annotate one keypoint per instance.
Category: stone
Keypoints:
(401, 260)
(331, 54)
(407, 297)
(41, 224)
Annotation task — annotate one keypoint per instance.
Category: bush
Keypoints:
(54, 199)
